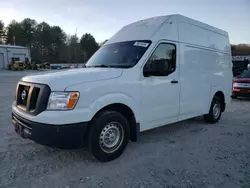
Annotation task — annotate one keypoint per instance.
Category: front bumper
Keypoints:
(69, 136)
(239, 94)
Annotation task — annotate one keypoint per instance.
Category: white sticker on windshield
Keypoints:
(141, 44)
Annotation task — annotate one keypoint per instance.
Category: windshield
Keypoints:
(245, 74)
(240, 64)
(119, 55)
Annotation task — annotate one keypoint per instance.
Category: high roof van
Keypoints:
(151, 73)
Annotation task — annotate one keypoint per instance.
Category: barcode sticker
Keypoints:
(141, 44)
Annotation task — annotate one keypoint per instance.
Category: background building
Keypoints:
(8, 51)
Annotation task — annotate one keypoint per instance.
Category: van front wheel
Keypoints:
(108, 135)
(215, 111)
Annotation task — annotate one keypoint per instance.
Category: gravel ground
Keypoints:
(186, 154)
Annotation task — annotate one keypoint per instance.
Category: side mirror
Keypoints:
(157, 67)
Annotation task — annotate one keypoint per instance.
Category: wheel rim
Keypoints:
(111, 137)
(216, 110)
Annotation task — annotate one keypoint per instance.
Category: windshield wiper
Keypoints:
(121, 66)
(99, 66)
(110, 66)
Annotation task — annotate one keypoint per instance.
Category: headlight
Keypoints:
(62, 100)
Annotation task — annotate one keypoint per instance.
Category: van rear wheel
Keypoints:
(108, 135)
(215, 110)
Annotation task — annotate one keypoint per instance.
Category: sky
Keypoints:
(103, 18)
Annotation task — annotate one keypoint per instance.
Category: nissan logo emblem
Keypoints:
(23, 95)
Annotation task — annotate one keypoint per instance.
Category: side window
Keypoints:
(163, 58)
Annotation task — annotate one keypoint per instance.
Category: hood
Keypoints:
(59, 80)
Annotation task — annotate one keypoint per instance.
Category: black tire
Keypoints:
(234, 97)
(211, 117)
(98, 125)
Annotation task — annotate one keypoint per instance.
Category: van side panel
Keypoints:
(222, 77)
(194, 80)
(199, 36)
(205, 66)
(203, 73)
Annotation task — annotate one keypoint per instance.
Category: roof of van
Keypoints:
(201, 24)
(155, 24)
(179, 18)
(12, 46)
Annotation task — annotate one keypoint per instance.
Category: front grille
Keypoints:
(23, 93)
(32, 98)
(243, 90)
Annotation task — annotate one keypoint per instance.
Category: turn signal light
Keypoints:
(72, 100)
(236, 89)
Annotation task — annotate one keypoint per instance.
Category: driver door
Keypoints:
(160, 91)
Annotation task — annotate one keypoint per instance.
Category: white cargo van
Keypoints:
(150, 73)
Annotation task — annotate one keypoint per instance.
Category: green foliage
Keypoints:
(28, 27)
(88, 45)
(1, 27)
(14, 33)
(240, 49)
(2, 32)
(50, 43)
(75, 53)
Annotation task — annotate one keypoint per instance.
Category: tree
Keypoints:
(75, 54)
(102, 43)
(88, 45)
(233, 50)
(58, 38)
(49, 43)
(1, 27)
(240, 49)
(21, 33)
(14, 33)
(2, 32)
(42, 40)
(28, 29)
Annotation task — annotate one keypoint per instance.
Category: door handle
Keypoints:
(174, 81)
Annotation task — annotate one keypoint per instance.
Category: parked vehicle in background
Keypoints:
(16, 64)
(241, 85)
(71, 66)
(43, 65)
(239, 66)
(30, 65)
(150, 73)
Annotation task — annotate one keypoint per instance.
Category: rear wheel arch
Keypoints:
(221, 95)
(216, 108)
